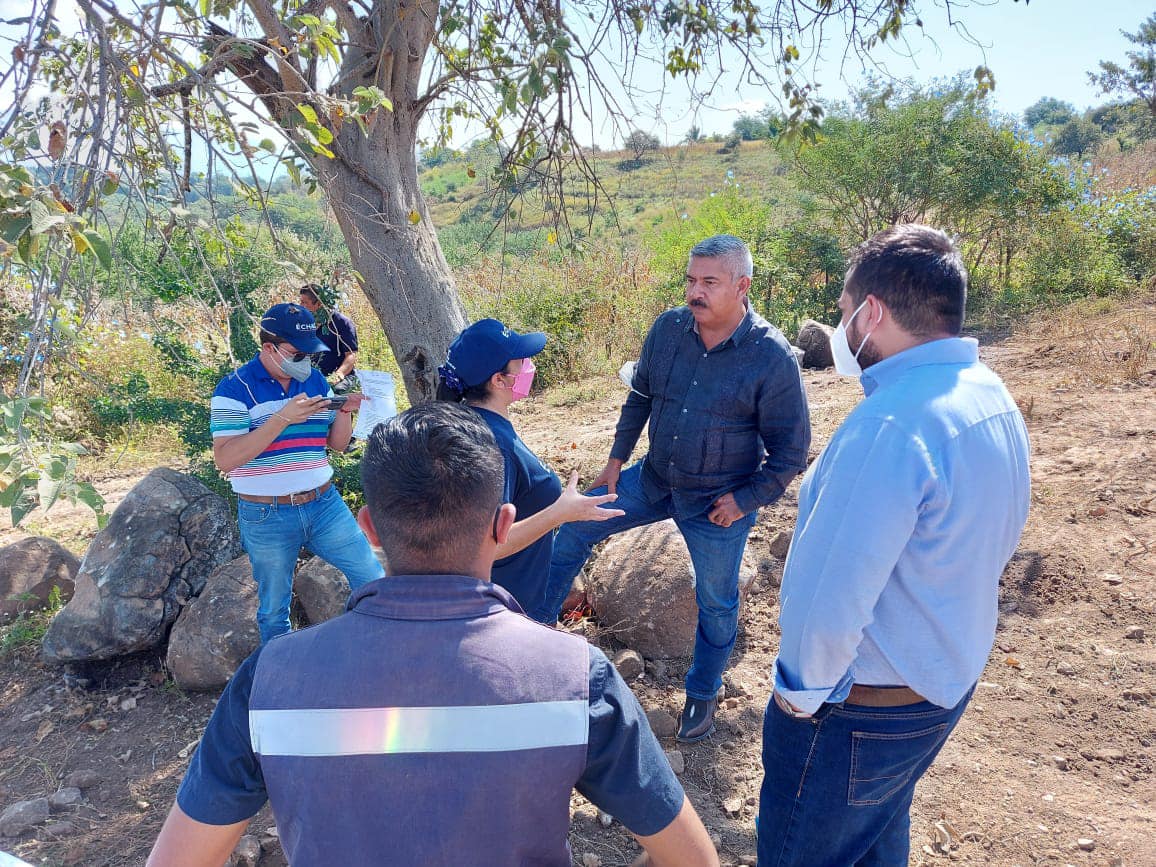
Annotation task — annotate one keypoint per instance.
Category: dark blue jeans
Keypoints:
(715, 552)
(837, 788)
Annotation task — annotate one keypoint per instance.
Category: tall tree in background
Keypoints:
(338, 91)
(1138, 81)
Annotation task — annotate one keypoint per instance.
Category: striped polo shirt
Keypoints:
(295, 461)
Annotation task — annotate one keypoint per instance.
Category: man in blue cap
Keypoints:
(271, 423)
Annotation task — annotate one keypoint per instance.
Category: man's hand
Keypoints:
(609, 476)
(788, 708)
(573, 506)
(298, 410)
(353, 401)
(342, 383)
(725, 511)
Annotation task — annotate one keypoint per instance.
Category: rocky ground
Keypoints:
(1053, 763)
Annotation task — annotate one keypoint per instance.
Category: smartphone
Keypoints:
(337, 401)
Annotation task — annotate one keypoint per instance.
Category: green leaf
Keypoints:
(42, 219)
(23, 506)
(307, 112)
(87, 494)
(13, 414)
(267, 144)
(11, 494)
(100, 248)
(12, 226)
(206, 7)
(48, 490)
(324, 136)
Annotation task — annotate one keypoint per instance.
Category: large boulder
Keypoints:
(217, 630)
(29, 570)
(161, 544)
(321, 589)
(815, 341)
(642, 588)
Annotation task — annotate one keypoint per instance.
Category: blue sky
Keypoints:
(1045, 48)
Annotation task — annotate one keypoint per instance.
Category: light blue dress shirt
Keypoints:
(906, 522)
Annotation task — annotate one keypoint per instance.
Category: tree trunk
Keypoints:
(373, 189)
(406, 278)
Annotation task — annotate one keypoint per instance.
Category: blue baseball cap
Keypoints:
(295, 324)
(486, 347)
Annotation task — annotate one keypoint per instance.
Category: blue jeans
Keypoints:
(837, 788)
(715, 552)
(273, 535)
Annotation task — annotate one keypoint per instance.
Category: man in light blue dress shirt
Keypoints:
(888, 602)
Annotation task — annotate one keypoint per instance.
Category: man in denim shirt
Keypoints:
(728, 430)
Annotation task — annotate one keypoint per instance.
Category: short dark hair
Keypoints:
(918, 273)
(432, 478)
(266, 337)
(312, 290)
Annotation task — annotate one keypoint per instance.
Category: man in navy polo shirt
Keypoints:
(271, 425)
(432, 723)
(337, 332)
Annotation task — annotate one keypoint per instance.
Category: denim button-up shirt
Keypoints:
(732, 419)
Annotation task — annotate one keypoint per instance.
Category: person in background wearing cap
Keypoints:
(271, 424)
(489, 367)
(337, 332)
(729, 430)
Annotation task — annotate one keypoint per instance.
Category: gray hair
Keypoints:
(728, 247)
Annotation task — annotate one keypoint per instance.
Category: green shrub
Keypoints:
(1069, 259)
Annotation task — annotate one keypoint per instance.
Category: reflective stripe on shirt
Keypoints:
(393, 730)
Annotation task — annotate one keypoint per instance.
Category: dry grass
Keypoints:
(1105, 341)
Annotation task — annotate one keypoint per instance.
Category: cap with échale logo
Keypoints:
(484, 348)
(293, 323)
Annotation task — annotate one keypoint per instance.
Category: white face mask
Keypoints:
(846, 361)
(298, 370)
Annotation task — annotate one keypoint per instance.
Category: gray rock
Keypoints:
(677, 761)
(322, 590)
(22, 815)
(68, 798)
(815, 341)
(781, 544)
(629, 663)
(58, 829)
(1061, 763)
(1065, 668)
(642, 588)
(217, 631)
(29, 569)
(662, 723)
(1135, 633)
(161, 544)
(82, 779)
(247, 853)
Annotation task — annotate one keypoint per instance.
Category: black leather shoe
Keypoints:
(697, 720)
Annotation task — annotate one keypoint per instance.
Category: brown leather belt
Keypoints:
(883, 696)
(298, 499)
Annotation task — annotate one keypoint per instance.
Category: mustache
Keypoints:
(698, 302)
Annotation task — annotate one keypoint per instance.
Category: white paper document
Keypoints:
(382, 404)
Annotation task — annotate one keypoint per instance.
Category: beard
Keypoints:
(869, 353)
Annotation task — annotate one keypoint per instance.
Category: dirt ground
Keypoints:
(1058, 745)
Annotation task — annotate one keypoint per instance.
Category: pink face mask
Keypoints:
(523, 380)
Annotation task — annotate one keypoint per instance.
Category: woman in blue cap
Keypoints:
(489, 367)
